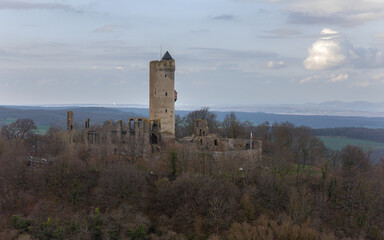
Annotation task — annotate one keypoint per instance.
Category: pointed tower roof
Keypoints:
(167, 56)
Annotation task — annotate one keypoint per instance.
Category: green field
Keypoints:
(7, 121)
(337, 143)
(42, 129)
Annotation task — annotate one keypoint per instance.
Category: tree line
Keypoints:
(299, 190)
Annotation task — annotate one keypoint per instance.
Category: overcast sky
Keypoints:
(227, 52)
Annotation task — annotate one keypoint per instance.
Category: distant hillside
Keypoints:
(313, 121)
(334, 108)
(57, 116)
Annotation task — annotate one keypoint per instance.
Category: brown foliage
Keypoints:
(264, 228)
(85, 192)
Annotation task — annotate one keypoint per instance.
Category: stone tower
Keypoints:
(162, 94)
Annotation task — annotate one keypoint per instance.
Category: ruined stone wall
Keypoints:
(138, 131)
(211, 142)
(241, 144)
(246, 158)
(162, 94)
(200, 128)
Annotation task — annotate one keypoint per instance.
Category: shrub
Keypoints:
(24, 225)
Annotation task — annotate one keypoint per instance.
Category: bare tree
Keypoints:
(135, 149)
(203, 113)
(22, 129)
(231, 126)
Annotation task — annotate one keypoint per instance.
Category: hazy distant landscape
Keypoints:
(324, 115)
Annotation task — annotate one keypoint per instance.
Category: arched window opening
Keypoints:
(154, 139)
(131, 124)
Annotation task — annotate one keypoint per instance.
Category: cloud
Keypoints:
(365, 83)
(275, 65)
(228, 60)
(306, 18)
(333, 50)
(373, 79)
(228, 54)
(23, 5)
(109, 28)
(378, 76)
(379, 37)
(367, 58)
(225, 17)
(329, 78)
(339, 78)
(328, 31)
(326, 52)
(309, 79)
(340, 12)
(200, 31)
(44, 81)
(185, 70)
(281, 33)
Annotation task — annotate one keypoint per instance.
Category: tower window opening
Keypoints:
(166, 110)
(215, 142)
(166, 94)
(165, 75)
(131, 124)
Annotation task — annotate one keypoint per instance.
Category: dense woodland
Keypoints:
(299, 190)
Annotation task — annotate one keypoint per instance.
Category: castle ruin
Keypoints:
(146, 135)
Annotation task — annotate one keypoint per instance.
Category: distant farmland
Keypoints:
(337, 143)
